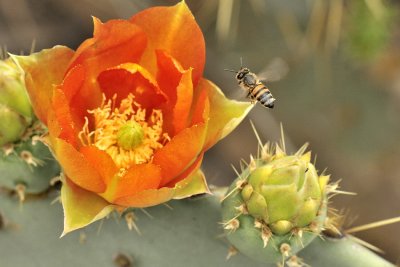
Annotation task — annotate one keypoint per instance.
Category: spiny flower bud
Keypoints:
(282, 195)
(15, 109)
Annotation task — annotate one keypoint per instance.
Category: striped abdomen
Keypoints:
(261, 93)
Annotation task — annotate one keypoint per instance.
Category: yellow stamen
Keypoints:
(125, 133)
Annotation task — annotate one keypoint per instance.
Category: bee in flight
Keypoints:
(255, 88)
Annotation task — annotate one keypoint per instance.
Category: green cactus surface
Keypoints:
(29, 164)
(185, 234)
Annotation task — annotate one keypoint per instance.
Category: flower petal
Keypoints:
(146, 198)
(73, 81)
(53, 127)
(224, 115)
(169, 73)
(81, 207)
(66, 129)
(201, 107)
(180, 152)
(101, 161)
(181, 109)
(114, 42)
(87, 98)
(131, 78)
(71, 85)
(43, 70)
(188, 172)
(138, 178)
(177, 84)
(193, 185)
(77, 167)
(174, 30)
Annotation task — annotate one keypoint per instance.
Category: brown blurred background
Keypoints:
(342, 92)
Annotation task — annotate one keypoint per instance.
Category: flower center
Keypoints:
(125, 133)
(130, 135)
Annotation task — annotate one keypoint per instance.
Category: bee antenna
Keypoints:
(230, 70)
(241, 62)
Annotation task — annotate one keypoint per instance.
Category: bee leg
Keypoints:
(252, 100)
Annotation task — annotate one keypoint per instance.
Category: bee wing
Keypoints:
(274, 71)
(238, 93)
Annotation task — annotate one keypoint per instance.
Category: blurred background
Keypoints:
(341, 93)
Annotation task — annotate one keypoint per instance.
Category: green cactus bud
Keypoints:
(15, 109)
(29, 164)
(284, 200)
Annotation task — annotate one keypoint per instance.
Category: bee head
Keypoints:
(242, 72)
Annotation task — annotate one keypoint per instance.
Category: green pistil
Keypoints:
(130, 135)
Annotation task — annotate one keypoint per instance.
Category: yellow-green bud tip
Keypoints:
(12, 90)
(281, 227)
(130, 135)
(12, 125)
(247, 191)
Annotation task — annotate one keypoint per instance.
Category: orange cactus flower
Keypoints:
(129, 113)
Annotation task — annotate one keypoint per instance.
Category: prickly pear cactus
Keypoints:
(186, 233)
(276, 206)
(26, 164)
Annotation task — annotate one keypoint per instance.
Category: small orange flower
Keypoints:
(128, 112)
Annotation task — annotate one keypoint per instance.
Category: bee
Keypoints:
(255, 88)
